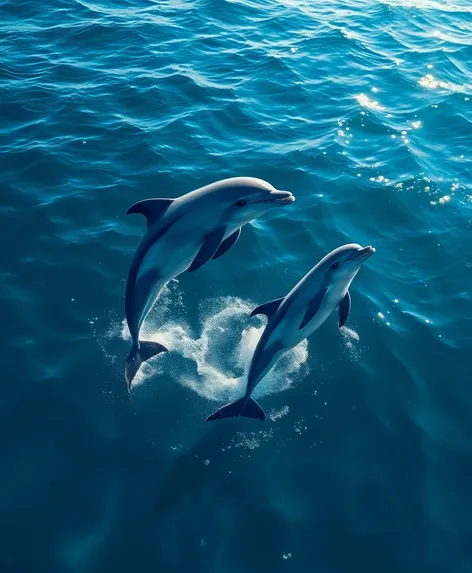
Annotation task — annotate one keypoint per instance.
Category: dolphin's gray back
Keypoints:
(309, 285)
(229, 184)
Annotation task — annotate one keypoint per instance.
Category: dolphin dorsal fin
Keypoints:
(268, 308)
(313, 308)
(152, 209)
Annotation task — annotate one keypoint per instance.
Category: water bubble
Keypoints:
(348, 333)
(207, 462)
(276, 414)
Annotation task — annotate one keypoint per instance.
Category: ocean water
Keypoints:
(362, 109)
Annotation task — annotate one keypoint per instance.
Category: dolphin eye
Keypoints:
(240, 203)
(335, 265)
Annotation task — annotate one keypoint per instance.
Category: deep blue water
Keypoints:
(362, 109)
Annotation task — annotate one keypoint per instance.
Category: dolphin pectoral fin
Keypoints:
(313, 308)
(208, 249)
(152, 209)
(139, 355)
(227, 244)
(344, 308)
(268, 308)
(248, 408)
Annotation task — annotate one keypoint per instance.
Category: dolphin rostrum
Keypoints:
(293, 318)
(183, 234)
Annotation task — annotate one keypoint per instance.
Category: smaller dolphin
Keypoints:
(293, 318)
(184, 234)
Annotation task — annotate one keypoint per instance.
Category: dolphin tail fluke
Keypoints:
(248, 408)
(139, 355)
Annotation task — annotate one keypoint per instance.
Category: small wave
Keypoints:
(451, 6)
(431, 83)
(369, 103)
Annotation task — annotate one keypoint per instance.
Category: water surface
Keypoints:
(360, 108)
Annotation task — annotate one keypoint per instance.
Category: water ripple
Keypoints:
(362, 109)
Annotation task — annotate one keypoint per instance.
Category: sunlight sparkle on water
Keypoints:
(430, 82)
(365, 101)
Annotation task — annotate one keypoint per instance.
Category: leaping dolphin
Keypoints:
(293, 318)
(185, 233)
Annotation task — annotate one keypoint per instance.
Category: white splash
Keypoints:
(214, 362)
